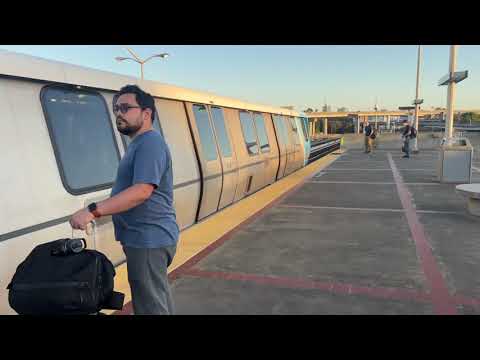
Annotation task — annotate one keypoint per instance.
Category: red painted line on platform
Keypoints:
(333, 287)
(443, 302)
(293, 206)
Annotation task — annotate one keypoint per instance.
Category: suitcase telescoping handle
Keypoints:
(88, 232)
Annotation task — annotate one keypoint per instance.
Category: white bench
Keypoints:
(472, 191)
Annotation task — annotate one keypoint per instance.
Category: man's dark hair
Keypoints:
(144, 99)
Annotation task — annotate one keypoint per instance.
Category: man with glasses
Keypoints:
(141, 203)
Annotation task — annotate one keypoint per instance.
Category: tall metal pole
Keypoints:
(418, 83)
(451, 93)
(417, 105)
(141, 69)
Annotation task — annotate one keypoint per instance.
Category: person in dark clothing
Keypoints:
(368, 140)
(406, 135)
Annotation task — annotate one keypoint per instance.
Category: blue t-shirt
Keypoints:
(152, 224)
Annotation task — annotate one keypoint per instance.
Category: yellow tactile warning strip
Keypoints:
(196, 238)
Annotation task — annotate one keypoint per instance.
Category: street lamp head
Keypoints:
(162, 55)
(119, 58)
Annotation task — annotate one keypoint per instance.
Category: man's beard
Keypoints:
(128, 129)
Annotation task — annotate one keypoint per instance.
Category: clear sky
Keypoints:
(303, 76)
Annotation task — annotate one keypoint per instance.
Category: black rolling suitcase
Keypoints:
(61, 277)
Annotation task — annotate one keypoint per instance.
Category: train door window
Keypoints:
(156, 126)
(304, 122)
(221, 131)
(205, 131)
(294, 129)
(298, 120)
(282, 131)
(82, 136)
(262, 133)
(248, 130)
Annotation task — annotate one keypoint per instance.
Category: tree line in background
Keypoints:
(463, 118)
(328, 108)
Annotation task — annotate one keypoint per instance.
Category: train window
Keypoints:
(82, 135)
(304, 122)
(249, 132)
(156, 126)
(206, 134)
(281, 129)
(294, 129)
(221, 131)
(297, 121)
(262, 133)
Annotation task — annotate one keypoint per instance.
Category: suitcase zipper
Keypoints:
(50, 285)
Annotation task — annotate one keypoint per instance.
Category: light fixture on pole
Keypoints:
(451, 79)
(140, 61)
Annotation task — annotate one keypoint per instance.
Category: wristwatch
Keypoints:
(93, 209)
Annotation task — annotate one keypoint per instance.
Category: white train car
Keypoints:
(60, 151)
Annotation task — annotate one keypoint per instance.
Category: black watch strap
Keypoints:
(93, 209)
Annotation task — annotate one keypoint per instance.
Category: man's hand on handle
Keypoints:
(81, 218)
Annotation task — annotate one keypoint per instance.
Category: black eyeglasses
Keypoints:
(124, 108)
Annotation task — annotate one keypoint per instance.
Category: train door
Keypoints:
(303, 126)
(264, 146)
(301, 137)
(210, 164)
(290, 148)
(297, 144)
(251, 170)
(273, 154)
(229, 161)
(173, 124)
(282, 144)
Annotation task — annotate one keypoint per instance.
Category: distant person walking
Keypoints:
(408, 130)
(367, 130)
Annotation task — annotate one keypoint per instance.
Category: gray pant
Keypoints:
(147, 276)
(406, 145)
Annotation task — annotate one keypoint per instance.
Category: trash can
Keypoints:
(455, 161)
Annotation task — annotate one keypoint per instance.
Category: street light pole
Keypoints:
(451, 92)
(418, 83)
(140, 61)
(451, 79)
(417, 102)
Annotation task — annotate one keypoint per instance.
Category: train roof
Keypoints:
(32, 67)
